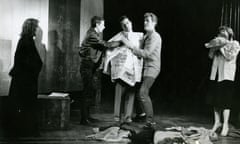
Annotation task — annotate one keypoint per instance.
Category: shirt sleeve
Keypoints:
(96, 41)
(116, 37)
(216, 42)
(149, 46)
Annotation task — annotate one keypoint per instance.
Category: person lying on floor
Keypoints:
(135, 134)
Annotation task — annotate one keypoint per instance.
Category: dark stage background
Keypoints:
(184, 27)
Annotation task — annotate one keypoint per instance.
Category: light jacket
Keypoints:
(151, 54)
(224, 63)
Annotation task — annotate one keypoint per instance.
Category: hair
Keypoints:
(29, 27)
(152, 16)
(229, 31)
(96, 20)
(122, 18)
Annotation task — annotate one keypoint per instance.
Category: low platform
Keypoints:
(54, 112)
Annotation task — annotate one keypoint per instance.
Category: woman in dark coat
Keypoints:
(24, 84)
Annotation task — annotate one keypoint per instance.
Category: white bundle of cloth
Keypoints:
(112, 134)
(121, 63)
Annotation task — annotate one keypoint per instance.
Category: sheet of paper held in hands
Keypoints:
(58, 94)
(121, 63)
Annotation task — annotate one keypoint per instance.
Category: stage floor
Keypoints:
(76, 133)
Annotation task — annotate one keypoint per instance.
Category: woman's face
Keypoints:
(224, 33)
(38, 33)
(126, 25)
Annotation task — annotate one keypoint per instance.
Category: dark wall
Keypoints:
(184, 26)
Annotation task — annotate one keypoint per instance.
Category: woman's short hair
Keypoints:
(153, 17)
(123, 18)
(29, 27)
(229, 31)
(96, 20)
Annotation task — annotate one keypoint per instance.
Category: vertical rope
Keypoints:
(238, 17)
(235, 17)
(222, 16)
(230, 15)
(226, 13)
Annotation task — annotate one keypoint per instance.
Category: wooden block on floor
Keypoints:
(54, 112)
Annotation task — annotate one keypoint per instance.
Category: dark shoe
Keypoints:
(139, 118)
(128, 120)
(85, 122)
(149, 125)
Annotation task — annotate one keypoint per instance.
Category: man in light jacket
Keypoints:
(151, 53)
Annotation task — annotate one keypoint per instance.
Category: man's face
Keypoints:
(149, 24)
(126, 25)
(100, 26)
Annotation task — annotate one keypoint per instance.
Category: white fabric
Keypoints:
(112, 134)
(200, 135)
(121, 63)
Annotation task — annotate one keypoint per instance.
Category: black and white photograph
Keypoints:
(119, 71)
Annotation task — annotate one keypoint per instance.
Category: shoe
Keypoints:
(139, 118)
(128, 120)
(149, 125)
(85, 122)
(116, 119)
(96, 130)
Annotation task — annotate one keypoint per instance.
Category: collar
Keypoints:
(92, 30)
(150, 32)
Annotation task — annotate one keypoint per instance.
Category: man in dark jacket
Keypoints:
(91, 57)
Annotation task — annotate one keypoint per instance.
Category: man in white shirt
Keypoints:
(126, 69)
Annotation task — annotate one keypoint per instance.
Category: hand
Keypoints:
(114, 44)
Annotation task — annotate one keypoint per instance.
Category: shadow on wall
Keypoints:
(57, 59)
(43, 74)
(62, 63)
